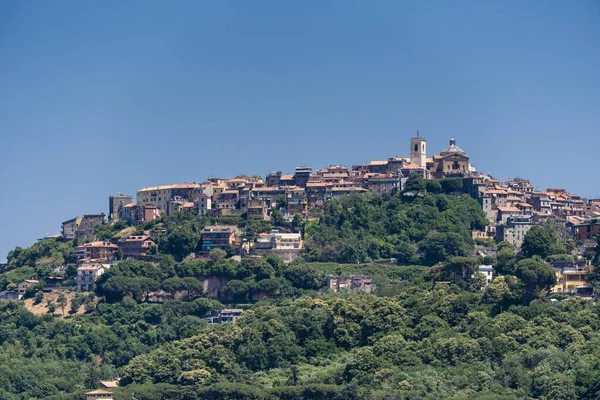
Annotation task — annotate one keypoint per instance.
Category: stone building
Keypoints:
(115, 203)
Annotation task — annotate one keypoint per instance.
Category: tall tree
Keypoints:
(536, 276)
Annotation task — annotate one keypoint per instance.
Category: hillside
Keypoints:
(431, 329)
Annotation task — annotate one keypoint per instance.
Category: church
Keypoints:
(453, 162)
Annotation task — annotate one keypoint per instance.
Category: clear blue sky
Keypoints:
(102, 97)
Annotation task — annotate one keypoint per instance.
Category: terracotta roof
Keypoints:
(378, 162)
(412, 166)
(508, 209)
(100, 392)
(316, 184)
(98, 244)
(139, 238)
(109, 384)
(185, 185)
(168, 187)
(90, 267)
(287, 177)
(524, 205)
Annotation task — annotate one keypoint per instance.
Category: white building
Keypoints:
(87, 275)
(486, 270)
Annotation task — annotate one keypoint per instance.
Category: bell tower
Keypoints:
(418, 151)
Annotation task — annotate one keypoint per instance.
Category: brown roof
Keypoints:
(109, 384)
(100, 392)
(98, 244)
(508, 209)
(378, 162)
(140, 238)
(412, 166)
(90, 267)
(221, 228)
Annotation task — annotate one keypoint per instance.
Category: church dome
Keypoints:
(452, 149)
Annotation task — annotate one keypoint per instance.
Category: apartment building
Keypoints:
(160, 195)
(218, 237)
(87, 275)
(97, 251)
(135, 246)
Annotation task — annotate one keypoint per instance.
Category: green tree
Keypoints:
(433, 186)
(181, 240)
(537, 242)
(39, 297)
(536, 276)
(414, 184)
(62, 302)
(281, 202)
(277, 218)
(217, 254)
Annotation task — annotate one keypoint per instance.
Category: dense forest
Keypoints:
(412, 338)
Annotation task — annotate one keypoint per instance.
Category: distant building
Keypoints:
(257, 210)
(589, 229)
(99, 395)
(85, 230)
(452, 162)
(82, 228)
(128, 213)
(296, 201)
(279, 241)
(383, 183)
(69, 228)
(24, 285)
(572, 278)
(514, 230)
(135, 246)
(87, 275)
(159, 196)
(148, 212)
(218, 237)
(227, 199)
(226, 316)
(486, 270)
(96, 251)
(352, 282)
(203, 204)
(302, 176)
(114, 205)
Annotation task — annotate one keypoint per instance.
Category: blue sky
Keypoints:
(104, 97)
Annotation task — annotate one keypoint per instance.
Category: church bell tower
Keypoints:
(418, 151)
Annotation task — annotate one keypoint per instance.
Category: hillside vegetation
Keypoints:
(409, 339)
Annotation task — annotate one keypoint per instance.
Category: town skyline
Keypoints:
(87, 208)
(92, 108)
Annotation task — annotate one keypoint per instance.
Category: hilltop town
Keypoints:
(512, 207)
(226, 257)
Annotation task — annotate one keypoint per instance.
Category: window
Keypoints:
(416, 147)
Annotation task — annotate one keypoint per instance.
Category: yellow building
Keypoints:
(161, 195)
(571, 278)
